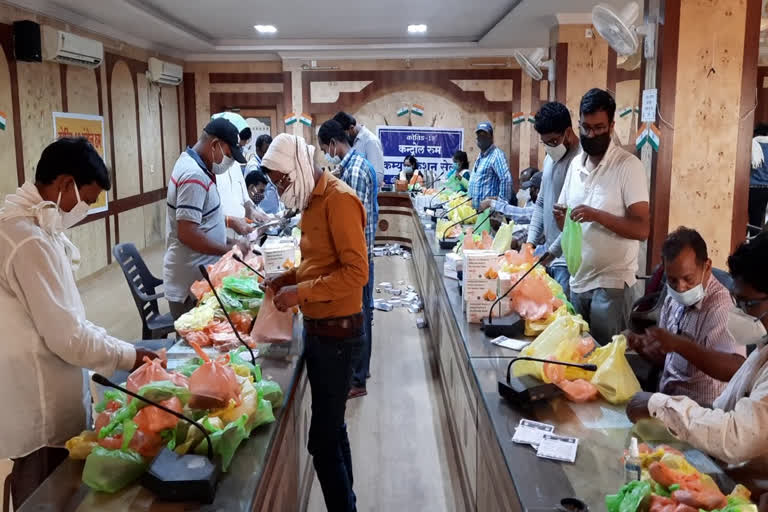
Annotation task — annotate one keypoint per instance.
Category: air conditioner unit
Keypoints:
(164, 73)
(66, 48)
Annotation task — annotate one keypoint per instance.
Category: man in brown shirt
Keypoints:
(327, 286)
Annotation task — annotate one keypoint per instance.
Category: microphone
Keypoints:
(100, 379)
(174, 477)
(215, 294)
(449, 244)
(431, 201)
(511, 325)
(525, 390)
(240, 260)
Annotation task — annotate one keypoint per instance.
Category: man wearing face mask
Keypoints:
(607, 189)
(50, 341)
(360, 175)
(197, 230)
(734, 428)
(328, 286)
(490, 176)
(692, 343)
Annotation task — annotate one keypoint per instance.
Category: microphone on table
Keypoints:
(174, 477)
(511, 325)
(450, 244)
(525, 390)
(231, 323)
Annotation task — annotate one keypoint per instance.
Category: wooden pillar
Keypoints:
(706, 75)
(581, 61)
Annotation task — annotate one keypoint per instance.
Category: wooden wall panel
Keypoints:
(132, 227)
(126, 139)
(627, 93)
(587, 64)
(90, 240)
(202, 102)
(169, 103)
(708, 103)
(149, 119)
(39, 96)
(524, 129)
(8, 177)
(82, 90)
(154, 223)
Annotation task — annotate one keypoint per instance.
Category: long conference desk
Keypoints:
(273, 472)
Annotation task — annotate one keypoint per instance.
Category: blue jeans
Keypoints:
(560, 274)
(362, 365)
(329, 370)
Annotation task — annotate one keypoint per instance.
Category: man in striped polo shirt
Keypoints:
(195, 226)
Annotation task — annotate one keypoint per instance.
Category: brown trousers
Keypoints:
(31, 470)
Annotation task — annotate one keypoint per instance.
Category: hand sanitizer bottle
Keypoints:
(632, 464)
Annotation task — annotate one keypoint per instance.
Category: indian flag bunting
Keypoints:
(290, 119)
(642, 137)
(305, 119)
(402, 111)
(531, 117)
(518, 117)
(654, 136)
(625, 111)
(3, 121)
(417, 109)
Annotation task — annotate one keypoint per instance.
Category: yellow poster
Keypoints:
(91, 127)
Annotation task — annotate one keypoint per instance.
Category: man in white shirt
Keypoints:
(607, 190)
(41, 371)
(364, 141)
(734, 428)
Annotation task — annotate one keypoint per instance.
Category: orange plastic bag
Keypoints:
(152, 419)
(272, 325)
(214, 384)
(151, 371)
(522, 257)
(532, 299)
(578, 390)
(226, 266)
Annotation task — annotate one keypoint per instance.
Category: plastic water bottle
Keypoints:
(632, 465)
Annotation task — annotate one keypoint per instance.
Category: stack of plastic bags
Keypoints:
(227, 396)
(670, 483)
(563, 340)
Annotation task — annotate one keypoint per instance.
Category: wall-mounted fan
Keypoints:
(533, 62)
(619, 29)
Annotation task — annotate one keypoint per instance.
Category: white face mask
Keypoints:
(688, 297)
(76, 214)
(556, 153)
(745, 329)
(226, 162)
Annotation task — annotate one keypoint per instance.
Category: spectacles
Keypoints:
(595, 130)
(554, 142)
(743, 304)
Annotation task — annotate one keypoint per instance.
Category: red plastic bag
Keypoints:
(226, 266)
(151, 371)
(152, 419)
(272, 325)
(214, 384)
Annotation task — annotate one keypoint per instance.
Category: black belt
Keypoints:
(340, 327)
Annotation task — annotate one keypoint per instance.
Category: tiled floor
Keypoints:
(397, 432)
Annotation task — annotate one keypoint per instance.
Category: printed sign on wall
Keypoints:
(432, 147)
(66, 124)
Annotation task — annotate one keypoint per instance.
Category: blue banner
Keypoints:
(433, 148)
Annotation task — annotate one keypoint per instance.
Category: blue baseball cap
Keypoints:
(485, 126)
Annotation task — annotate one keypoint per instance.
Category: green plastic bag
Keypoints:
(225, 441)
(163, 390)
(189, 367)
(110, 395)
(270, 391)
(483, 223)
(571, 243)
(126, 412)
(237, 357)
(502, 242)
(629, 497)
(246, 286)
(112, 470)
(264, 414)
(230, 300)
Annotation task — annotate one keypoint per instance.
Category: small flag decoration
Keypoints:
(305, 119)
(417, 109)
(402, 111)
(518, 117)
(3, 120)
(290, 119)
(625, 111)
(642, 138)
(532, 117)
(654, 136)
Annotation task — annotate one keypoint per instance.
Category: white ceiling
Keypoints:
(198, 30)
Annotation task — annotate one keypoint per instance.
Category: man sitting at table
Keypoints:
(734, 428)
(692, 344)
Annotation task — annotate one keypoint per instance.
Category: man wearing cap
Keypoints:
(490, 176)
(195, 226)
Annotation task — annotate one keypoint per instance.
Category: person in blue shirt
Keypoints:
(758, 178)
(270, 202)
(491, 176)
(360, 175)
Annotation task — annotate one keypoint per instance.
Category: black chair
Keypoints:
(142, 284)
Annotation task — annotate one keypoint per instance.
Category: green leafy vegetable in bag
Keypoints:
(571, 243)
(629, 497)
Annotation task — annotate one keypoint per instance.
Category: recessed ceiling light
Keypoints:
(265, 29)
(417, 29)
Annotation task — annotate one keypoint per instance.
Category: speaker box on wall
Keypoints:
(26, 41)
